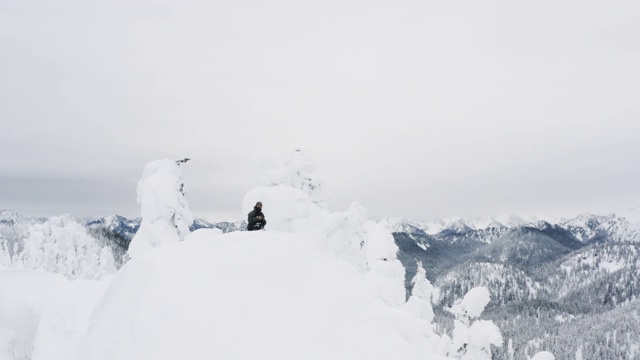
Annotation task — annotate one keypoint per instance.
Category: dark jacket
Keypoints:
(253, 222)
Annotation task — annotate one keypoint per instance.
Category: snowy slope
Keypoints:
(214, 294)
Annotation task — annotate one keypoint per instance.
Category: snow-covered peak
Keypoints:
(432, 226)
(586, 220)
(632, 215)
(397, 224)
(457, 227)
(113, 222)
(511, 221)
(484, 223)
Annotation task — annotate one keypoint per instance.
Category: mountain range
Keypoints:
(554, 277)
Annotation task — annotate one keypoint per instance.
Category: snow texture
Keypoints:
(543, 355)
(44, 315)
(165, 213)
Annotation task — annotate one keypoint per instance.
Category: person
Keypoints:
(256, 219)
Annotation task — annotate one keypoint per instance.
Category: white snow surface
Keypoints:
(543, 355)
(44, 315)
(165, 212)
(250, 295)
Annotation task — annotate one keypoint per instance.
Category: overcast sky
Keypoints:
(413, 108)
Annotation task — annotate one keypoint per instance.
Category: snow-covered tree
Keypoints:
(295, 171)
(473, 340)
(421, 292)
(165, 212)
(63, 245)
(5, 255)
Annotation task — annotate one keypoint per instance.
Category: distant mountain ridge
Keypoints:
(585, 227)
(551, 275)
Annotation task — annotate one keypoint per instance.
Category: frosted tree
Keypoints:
(165, 212)
(5, 255)
(295, 171)
(304, 175)
(63, 245)
(510, 351)
(106, 262)
(473, 339)
(421, 292)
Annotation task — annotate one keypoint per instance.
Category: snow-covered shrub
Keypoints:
(165, 212)
(473, 340)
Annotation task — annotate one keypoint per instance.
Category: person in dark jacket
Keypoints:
(255, 218)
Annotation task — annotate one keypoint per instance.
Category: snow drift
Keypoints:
(247, 296)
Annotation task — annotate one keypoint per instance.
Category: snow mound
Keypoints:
(249, 295)
(44, 315)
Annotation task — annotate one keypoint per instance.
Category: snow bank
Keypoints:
(165, 213)
(43, 315)
(249, 295)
